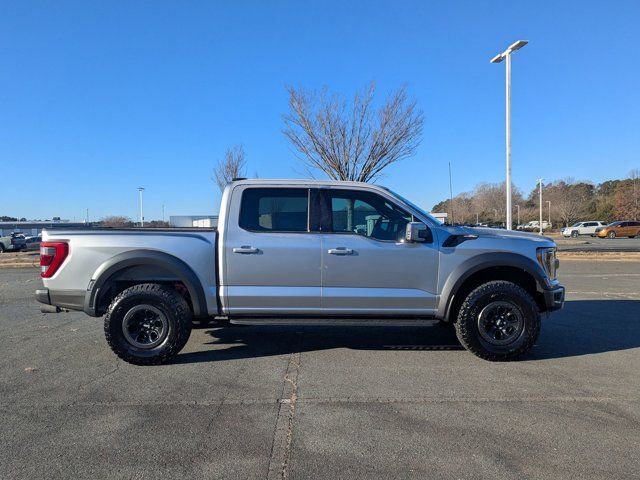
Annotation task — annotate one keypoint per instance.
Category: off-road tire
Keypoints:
(168, 301)
(611, 234)
(467, 329)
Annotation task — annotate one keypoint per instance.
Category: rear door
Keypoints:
(272, 258)
(633, 229)
(367, 268)
(622, 229)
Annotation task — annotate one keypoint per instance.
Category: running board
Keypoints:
(346, 322)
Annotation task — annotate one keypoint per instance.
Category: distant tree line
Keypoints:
(571, 201)
(119, 221)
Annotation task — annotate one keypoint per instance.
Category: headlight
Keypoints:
(548, 262)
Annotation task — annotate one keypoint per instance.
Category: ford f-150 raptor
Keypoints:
(311, 252)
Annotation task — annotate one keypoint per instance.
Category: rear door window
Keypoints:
(275, 209)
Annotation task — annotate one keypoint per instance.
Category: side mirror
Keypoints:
(417, 232)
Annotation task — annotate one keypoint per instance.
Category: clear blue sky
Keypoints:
(97, 98)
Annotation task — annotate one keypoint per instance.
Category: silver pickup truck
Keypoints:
(310, 252)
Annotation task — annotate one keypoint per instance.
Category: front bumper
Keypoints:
(554, 298)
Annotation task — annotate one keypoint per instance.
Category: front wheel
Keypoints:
(147, 324)
(574, 234)
(611, 235)
(498, 321)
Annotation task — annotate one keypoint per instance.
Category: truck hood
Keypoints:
(499, 234)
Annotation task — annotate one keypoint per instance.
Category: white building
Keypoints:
(440, 216)
(201, 221)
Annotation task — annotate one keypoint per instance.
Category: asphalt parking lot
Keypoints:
(320, 402)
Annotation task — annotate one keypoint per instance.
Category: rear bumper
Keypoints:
(71, 299)
(554, 298)
(42, 295)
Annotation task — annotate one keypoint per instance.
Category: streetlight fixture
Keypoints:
(140, 190)
(498, 59)
(540, 194)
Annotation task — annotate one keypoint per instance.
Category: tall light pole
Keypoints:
(497, 59)
(518, 207)
(549, 202)
(451, 196)
(140, 190)
(540, 194)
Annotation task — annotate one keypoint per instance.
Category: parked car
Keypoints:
(534, 226)
(311, 252)
(12, 243)
(582, 228)
(619, 229)
(33, 243)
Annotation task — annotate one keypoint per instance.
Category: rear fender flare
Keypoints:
(105, 273)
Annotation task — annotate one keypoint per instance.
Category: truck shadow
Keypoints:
(583, 327)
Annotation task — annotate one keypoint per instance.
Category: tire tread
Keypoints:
(176, 303)
(468, 337)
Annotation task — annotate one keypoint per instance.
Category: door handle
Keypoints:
(341, 251)
(245, 249)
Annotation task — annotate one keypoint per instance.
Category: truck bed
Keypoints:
(108, 255)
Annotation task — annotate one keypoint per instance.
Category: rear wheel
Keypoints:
(147, 324)
(1, 248)
(498, 321)
(611, 234)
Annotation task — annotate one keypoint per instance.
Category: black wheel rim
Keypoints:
(500, 323)
(145, 326)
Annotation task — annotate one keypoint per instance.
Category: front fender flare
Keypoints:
(484, 261)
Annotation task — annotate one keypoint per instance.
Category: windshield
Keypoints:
(414, 206)
(614, 224)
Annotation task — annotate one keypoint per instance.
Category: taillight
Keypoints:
(52, 254)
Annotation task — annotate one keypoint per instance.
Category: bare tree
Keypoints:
(570, 201)
(352, 141)
(230, 167)
(626, 205)
(634, 175)
(116, 221)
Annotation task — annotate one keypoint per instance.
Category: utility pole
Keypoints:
(540, 195)
(451, 195)
(549, 202)
(506, 55)
(140, 190)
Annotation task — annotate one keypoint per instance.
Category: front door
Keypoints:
(367, 268)
(272, 259)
